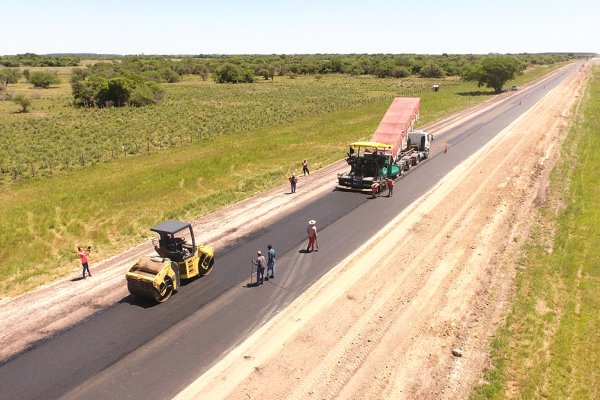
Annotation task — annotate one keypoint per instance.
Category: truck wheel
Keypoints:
(165, 290)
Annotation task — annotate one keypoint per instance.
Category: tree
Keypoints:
(9, 76)
(115, 92)
(265, 73)
(493, 72)
(43, 79)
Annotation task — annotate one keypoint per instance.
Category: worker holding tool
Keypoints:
(311, 231)
(260, 267)
(83, 254)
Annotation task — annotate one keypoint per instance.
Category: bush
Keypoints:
(400, 72)
(9, 76)
(22, 101)
(43, 79)
(432, 71)
(145, 94)
(232, 73)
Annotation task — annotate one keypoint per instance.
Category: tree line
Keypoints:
(134, 80)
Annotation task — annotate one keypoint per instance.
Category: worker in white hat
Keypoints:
(260, 263)
(311, 231)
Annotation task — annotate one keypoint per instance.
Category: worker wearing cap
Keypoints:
(260, 263)
(311, 231)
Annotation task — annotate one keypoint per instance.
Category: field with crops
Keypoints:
(73, 176)
(55, 136)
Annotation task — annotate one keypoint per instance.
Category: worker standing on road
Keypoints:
(311, 231)
(293, 180)
(375, 189)
(390, 186)
(260, 267)
(270, 263)
(305, 168)
(83, 254)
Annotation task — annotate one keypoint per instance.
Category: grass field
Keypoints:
(550, 345)
(244, 139)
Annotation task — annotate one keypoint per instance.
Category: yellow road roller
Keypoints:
(157, 277)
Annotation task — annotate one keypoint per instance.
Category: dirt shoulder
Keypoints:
(391, 332)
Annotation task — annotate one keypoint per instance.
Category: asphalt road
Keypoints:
(135, 350)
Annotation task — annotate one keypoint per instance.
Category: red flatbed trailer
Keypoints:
(397, 122)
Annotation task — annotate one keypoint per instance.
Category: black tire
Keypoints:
(166, 290)
(206, 266)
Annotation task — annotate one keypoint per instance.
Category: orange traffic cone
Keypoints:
(446, 149)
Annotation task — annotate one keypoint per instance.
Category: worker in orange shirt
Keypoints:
(390, 185)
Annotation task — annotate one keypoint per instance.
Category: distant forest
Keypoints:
(270, 66)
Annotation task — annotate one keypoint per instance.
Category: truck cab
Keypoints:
(420, 140)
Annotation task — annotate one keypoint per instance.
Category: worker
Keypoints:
(375, 189)
(305, 168)
(311, 231)
(270, 262)
(260, 267)
(390, 186)
(83, 254)
(293, 181)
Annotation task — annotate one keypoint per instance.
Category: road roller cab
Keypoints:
(158, 277)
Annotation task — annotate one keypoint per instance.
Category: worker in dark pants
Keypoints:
(305, 168)
(260, 267)
(293, 181)
(390, 186)
(270, 263)
(84, 254)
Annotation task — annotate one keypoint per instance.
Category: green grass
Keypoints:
(55, 136)
(112, 204)
(550, 344)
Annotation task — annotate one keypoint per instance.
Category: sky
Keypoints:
(298, 27)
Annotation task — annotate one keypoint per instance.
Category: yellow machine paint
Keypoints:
(158, 277)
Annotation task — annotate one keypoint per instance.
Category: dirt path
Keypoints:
(373, 339)
(386, 324)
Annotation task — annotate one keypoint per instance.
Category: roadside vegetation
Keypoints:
(549, 346)
(101, 176)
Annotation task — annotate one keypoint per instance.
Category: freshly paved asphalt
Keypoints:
(135, 350)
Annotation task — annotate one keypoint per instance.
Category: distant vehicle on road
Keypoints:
(514, 88)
